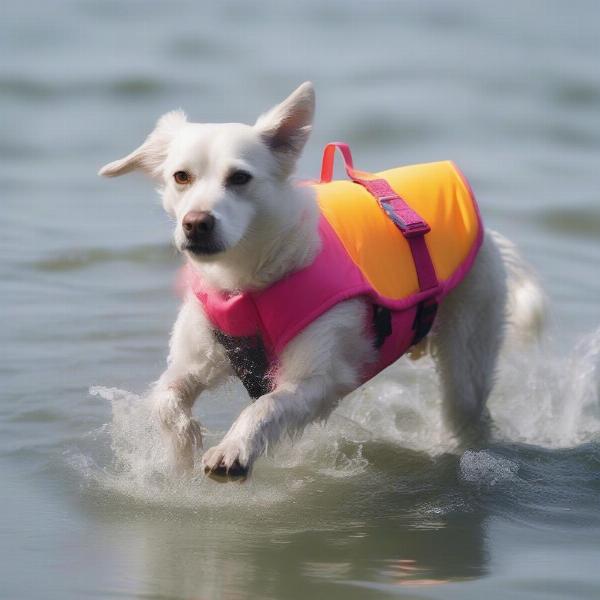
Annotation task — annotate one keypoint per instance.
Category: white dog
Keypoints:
(244, 225)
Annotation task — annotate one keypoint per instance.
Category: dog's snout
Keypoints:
(201, 238)
(197, 224)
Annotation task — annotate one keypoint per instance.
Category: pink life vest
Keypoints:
(254, 327)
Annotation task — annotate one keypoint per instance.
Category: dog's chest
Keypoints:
(257, 371)
(248, 358)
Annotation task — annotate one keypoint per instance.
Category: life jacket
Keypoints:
(401, 239)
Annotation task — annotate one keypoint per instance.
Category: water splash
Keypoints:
(553, 403)
(128, 456)
(547, 401)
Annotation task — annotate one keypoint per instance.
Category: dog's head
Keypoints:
(218, 180)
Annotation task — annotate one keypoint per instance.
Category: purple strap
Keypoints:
(412, 226)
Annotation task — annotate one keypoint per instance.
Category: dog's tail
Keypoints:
(527, 306)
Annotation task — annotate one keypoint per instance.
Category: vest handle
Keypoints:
(329, 157)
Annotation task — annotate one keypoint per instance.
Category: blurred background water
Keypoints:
(376, 504)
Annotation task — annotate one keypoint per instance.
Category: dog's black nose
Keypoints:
(197, 224)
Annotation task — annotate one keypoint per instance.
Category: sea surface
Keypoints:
(377, 504)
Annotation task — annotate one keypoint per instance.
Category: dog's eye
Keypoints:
(181, 177)
(239, 178)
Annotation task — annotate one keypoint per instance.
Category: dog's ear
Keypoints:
(150, 156)
(286, 127)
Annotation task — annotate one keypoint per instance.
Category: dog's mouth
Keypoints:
(202, 249)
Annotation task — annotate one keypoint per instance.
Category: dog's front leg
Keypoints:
(320, 366)
(286, 410)
(195, 362)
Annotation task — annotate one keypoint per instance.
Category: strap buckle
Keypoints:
(410, 226)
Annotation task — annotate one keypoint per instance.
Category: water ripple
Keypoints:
(78, 258)
(576, 221)
(30, 88)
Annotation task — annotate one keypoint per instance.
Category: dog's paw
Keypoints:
(227, 461)
(177, 422)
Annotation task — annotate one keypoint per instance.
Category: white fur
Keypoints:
(268, 228)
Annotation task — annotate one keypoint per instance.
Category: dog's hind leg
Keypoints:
(466, 342)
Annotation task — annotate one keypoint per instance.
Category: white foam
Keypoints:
(485, 468)
(139, 468)
(548, 401)
(403, 407)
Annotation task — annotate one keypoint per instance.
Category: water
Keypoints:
(377, 504)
